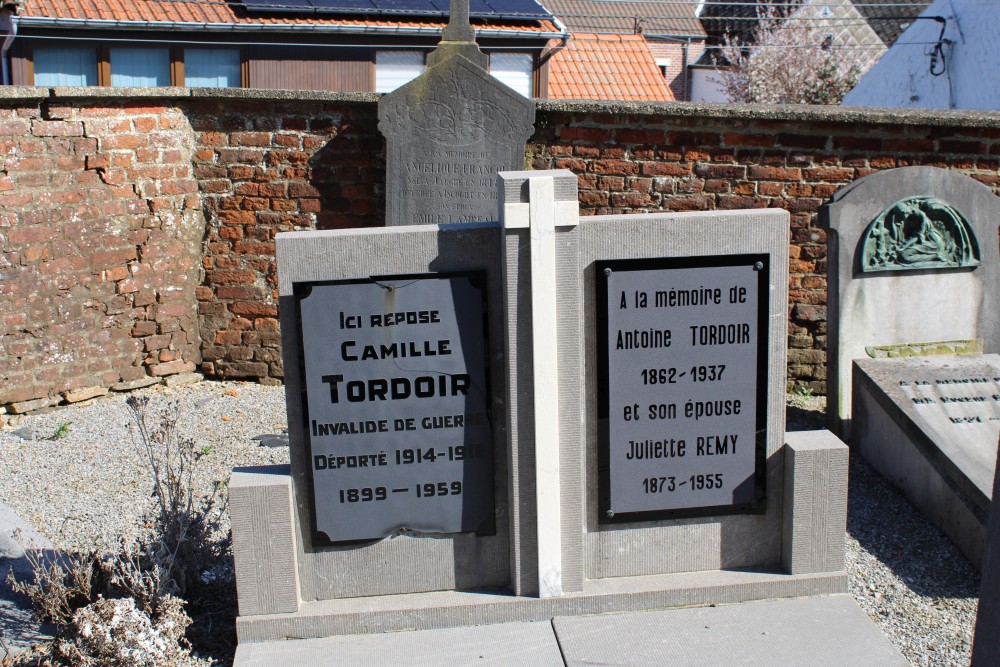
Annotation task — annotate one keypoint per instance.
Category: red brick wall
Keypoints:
(137, 236)
(668, 162)
(263, 168)
(100, 225)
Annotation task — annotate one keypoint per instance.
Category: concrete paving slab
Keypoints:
(815, 631)
(507, 644)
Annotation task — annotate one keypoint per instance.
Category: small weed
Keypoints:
(804, 391)
(62, 430)
(205, 450)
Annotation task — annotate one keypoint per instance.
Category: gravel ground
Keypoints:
(90, 483)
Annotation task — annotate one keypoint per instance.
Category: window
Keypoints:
(212, 68)
(58, 66)
(140, 67)
(513, 69)
(395, 68)
(664, 65)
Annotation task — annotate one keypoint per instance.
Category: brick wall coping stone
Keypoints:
(783, 112)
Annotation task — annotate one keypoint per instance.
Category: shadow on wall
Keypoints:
(314, 166)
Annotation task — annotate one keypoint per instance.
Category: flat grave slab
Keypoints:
(930, 425)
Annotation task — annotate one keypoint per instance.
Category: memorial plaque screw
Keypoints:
(758, 266)
(607, 272)
(610, 513)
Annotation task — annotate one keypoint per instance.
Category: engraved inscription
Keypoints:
(682, 384)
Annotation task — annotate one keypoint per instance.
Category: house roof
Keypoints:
(212, 15)
(887, 21)
(888, 18)
(928, 69)
(606, 67)
(648, 18)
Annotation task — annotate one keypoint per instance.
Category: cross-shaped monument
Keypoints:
(449, 131)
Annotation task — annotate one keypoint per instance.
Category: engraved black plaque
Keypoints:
(396, 405)
(683, 378)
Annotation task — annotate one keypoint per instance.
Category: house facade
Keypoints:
(296, 44)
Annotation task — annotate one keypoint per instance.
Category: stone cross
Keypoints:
(458, 38)
(459, 28)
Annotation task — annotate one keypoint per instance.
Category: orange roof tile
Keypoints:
(607, 67)
(201, 12)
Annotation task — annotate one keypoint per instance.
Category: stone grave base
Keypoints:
(772, 633)
(907, 432)
(442, 609)
(814, 514)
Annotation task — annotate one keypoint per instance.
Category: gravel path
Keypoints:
(90, 484)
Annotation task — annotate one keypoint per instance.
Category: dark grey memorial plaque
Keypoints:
(396, 405)
(683, 379)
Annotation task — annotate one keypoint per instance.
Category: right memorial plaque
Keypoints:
(682, 356)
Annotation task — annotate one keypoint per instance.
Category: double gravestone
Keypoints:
(541, 416)
(536, 417)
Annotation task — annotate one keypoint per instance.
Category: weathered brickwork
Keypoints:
(137, 235)
(100, 226)
(640, 164)
(265, 168)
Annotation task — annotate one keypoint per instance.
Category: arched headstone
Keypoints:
(913, 259)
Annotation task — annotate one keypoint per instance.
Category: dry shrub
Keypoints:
(126, 606)
(185, 541)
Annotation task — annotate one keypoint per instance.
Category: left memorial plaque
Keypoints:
(395, 406)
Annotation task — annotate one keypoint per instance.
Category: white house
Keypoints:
(947, 59)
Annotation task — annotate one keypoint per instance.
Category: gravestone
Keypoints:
(930, 425)
(912, 276)
(455, 462)
(913, 262)
(448, 132)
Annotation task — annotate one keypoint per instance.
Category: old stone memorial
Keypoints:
(913, 276)
(930, 425)
(396, 405)
(448, 132)
(913, 260)
(686, 404)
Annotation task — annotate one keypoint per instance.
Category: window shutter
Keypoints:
(65, 66)
(212, 68)
(140, 67)
(514, 70)
(395, 68)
